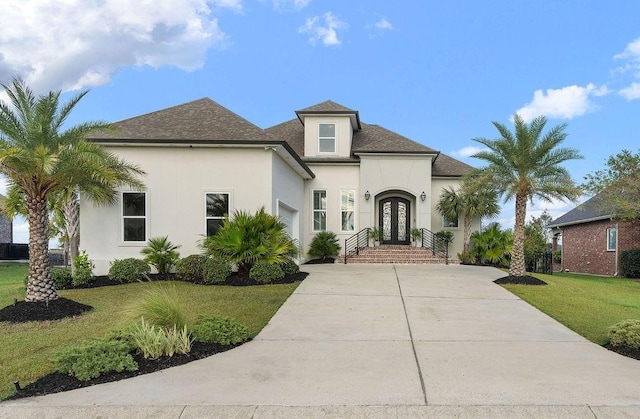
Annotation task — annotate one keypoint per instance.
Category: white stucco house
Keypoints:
(323, 170)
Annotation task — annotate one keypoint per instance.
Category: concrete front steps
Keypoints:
(397, 254)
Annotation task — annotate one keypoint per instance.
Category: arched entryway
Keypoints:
(395, 220)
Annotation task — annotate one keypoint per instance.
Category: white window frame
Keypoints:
(314, 210)
(206, 217)
(445, 225)
(343, 210)
(611, 230)
(145, 217)
(334, 138)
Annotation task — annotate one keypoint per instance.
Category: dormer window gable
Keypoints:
(328, 129)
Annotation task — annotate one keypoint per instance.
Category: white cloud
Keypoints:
(383, 24)
(3, 185)
(467, 151)
(631, 92)
(326, 33)
(289, 5)
(631, 56)
(81, 43)
(567, 102)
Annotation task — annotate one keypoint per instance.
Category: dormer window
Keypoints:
(327, 138)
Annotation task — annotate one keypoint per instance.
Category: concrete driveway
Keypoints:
(382, 341)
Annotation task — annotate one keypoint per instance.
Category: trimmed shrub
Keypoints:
(216, 270)
(266, 273)
(161, 254)
(84, 270)
(290, 267)
(129, 270)
(625, 334)
(324, 245)
(218, 329)
(191, 268)
(161, 307)
(61, 278)
(630, 263)
(154, 341)
(94, 358)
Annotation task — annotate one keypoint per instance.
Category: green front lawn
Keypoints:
(587, 304)
(27, 348)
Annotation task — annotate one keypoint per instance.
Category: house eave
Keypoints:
(395, 153)
(353, 115)
(282, 148)
(586, 220)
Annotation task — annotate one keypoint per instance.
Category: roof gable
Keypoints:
(326, 106)
(586, 212)
(201, 119)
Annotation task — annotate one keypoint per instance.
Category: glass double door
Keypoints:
(395, 220)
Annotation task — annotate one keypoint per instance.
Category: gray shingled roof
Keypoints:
(292, 132)
(375, 139)
(201, 119)
(588, 211)
(326, 106)
(446, 166)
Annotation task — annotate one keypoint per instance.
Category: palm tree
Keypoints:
(40, 158)
(470, 203)
(526, 164)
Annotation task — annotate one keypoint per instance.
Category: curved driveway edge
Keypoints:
(386, 341)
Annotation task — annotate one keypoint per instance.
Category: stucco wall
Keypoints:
(344, 133)
(584, 247)
(332, 178)
(409, 174)
(177, 180)
(288, 190)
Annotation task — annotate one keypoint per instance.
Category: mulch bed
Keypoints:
(320, 261)
(57, 381)
(628, 352)
(61, 308)
(520, 280)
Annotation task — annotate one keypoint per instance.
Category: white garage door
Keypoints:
(287, 216)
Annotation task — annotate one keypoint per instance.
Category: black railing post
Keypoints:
(345, 251)
(446, 251)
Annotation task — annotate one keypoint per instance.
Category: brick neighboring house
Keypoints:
(6, 227)
(592, 240)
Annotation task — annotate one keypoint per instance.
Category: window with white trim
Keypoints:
(327, 138)
(216, 208)
(347, 210)
(449, 223)
(612, 239)
(134, 217)
(319, 210)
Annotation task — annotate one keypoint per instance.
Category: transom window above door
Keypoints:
(327, 138)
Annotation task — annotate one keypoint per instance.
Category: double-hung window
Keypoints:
(612, 239)
(348, 209)
(449, 223)
(134, 217)
(319, 210)
(216, 208)
(327, 138)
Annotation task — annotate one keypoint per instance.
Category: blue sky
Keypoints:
(436, 72)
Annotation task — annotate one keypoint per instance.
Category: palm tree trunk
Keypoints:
(40, 286)
(517, 255)
(72, 227)
(467, 234)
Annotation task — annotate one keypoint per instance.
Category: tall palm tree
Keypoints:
(40, 158)
(525, 164)
(468, 202)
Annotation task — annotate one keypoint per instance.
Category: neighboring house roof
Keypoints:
(202, 119)
(586, 212)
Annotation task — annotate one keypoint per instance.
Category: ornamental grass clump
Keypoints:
(155, 341)
(625, 334)
(161, 307)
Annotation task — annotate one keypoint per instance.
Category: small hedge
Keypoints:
(625, 334)
(191, 268)
(220, 330)
(290, 267)
(216, 270)
(266, 273)
(630, 263)
(94, 358)
(129, 270)
(62, 278)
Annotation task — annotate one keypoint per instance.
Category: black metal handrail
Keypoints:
(438, 245)
(353, 244)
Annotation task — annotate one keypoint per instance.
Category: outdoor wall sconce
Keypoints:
(367, 195)
(423, 196)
